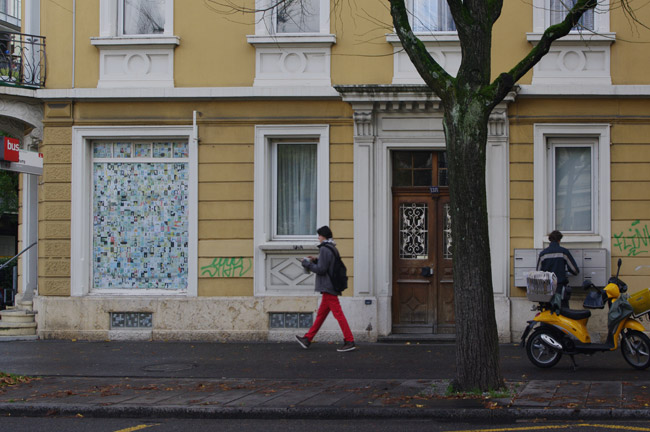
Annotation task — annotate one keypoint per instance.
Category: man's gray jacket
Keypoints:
(323, 267)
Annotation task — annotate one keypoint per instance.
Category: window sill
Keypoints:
(577, 37)
(581, 238)
(445, 36)
(284, 246)
(292, 39)
(163, 41)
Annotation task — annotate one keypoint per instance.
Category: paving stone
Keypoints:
(605, 394)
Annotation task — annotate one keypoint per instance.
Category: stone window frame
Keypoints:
(264, 242)
(81, 205)
(542, 181)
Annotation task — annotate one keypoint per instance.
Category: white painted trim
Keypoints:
(304, 92)
(313, 39)
(198, 93)
(263, 229)
(601, 132)
(81, 227)
(167, 41)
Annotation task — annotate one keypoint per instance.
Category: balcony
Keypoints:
(22, 60)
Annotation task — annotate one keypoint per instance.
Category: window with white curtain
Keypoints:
(559, 8)
(295, 188)
(298, 16)
(143, 17)
(431, 16)
(573, 178)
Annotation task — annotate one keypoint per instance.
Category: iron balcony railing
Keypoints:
(22, 60)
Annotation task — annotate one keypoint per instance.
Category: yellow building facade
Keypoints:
(190, 156)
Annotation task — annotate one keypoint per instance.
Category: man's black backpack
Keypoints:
(339, 273)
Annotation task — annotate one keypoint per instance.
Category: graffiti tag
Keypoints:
(227, 267)
(635, 242)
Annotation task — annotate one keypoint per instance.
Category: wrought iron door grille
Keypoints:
(413, 231)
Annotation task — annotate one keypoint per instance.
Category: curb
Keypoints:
(317, 413)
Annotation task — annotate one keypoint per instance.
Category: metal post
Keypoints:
(15, 285)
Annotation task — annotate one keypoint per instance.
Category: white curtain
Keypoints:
(432, 15)
(296, 189)
(559, 9)
(573, 189)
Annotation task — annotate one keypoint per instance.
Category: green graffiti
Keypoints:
(635, 242)
(227, 267)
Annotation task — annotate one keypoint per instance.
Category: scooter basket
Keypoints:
(540, 286)
(640, 302)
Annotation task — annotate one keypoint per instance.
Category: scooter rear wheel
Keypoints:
(539, 353)
(635, 347)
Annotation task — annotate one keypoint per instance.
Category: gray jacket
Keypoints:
(322, 266)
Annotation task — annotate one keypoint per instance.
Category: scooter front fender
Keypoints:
(524, 336)
(633, 324)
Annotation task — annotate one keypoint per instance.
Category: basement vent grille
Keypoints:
(129, 320)
(290, 320)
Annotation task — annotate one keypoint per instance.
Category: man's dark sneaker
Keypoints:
(303, 341)
(347, 346)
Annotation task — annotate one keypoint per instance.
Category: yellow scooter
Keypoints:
(564, 331)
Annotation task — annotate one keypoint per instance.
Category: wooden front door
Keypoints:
(423, 298)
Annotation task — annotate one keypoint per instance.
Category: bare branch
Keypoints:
(433, 74)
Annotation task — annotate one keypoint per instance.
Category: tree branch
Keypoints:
(504, 82)
(433, 74)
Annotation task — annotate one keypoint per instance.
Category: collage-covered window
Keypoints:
(140, 204)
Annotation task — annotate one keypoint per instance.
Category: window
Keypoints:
(134, 224)
(298, 16)
(295, 188)
(292, 199)
(142, 17)
(559, 8)
(572, 178)
(572, 183)
(140, 218)
(419, 168)
(432, 16)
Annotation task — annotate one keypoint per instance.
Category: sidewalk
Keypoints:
(169, 395)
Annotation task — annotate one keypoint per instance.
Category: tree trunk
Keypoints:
(477, 345)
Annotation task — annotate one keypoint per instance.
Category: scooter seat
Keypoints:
(575, 313)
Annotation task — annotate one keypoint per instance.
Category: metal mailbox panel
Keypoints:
(526, 258)
(520, 275)
(575, 280)
(594, 258)
(596, 275)
(578, 256)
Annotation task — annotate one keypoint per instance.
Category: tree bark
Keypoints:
(477, 344)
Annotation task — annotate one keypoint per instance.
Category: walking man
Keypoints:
(322, 266)
(558, 260)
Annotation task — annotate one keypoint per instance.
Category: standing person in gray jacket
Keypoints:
(322, 266)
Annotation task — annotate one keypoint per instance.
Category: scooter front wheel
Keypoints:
(635, 347)
(539, 353)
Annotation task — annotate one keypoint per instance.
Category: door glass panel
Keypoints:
(422, 159)
(446, 232)
(413, 231)
(422, 178)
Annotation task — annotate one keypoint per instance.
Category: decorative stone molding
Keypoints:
(149, 63)
(444, 47)
(22, 118)
(292, 60)
(576, 58)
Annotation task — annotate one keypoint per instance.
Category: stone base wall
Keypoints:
(210, 319)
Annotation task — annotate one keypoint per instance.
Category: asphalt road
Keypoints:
(283, 361)
(382, 425)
